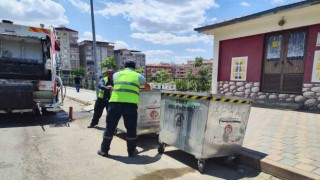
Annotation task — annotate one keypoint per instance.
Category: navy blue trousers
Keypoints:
(130, 115)
(98, 110)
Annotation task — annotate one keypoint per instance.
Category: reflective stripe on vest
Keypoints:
(101, 92)
(126, 87)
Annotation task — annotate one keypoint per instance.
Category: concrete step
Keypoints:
(259, 161)
(278, 105)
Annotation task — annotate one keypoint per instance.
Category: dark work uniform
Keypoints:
(101, 103)
(123, 102)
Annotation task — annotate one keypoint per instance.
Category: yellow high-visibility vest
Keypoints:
(101, 91)
(126, 87)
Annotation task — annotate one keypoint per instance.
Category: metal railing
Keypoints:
(182, 84)
(85, 83)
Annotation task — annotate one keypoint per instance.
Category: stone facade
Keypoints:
(310, 94)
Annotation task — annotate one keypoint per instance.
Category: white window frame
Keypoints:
(314, 69)
(318, 40)
(245, 65)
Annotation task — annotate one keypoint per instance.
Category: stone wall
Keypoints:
(310, 96)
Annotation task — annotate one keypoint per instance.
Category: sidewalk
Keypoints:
(86, 97)
(283, 143)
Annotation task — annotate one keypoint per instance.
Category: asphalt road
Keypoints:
(51, 147)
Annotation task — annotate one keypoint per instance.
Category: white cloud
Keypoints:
(195, 50)
(170, 39)
(245, 4)
(88, 36)
(212, 20)
(84, 7)
(121, 45)
(161, 15)
(168, 59)
(277, 2)
(117, 44)
(182, 59)
(33, 12)
(157, 52)
(157, 56)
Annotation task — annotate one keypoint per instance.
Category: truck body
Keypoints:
(28, 64)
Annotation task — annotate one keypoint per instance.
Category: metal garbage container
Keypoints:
(148, 113)
(203, 125)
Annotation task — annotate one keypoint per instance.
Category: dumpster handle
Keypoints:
(228, 121)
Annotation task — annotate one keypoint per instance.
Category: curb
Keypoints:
(87, 103)
(274, 168)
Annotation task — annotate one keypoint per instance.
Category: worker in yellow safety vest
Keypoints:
(105, 86)
(124, 102)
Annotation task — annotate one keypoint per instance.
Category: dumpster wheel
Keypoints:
(229, 160)
(201, 163)
(161, 148)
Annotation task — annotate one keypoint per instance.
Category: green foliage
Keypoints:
(198, 62)
(163, 76)
(79, 72)
(199, 82)
(181, 85)
(109, 63)
(140, 70)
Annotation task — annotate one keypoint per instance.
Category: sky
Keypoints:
(162, 29)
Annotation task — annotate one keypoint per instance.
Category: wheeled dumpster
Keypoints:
(202, 124)
(148, 113)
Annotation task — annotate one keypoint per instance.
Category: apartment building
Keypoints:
(123, 55)
(104, 50)
(151, 70)
(69, 49)
(182, 70)
(178, 70)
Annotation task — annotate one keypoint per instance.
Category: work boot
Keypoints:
(133, 154)
(102, 153)
(91, 126)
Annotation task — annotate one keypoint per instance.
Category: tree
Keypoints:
(181, 85)
(163, 76)
(109, 63)
(140, 70)
(79, 72)
(199, 82)
(198, 62)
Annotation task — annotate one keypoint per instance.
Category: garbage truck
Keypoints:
(29, 62)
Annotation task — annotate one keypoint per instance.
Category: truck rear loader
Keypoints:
(29, 61)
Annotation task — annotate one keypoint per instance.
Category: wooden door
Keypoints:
(284, 62)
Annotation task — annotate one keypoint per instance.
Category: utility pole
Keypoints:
(96, 63)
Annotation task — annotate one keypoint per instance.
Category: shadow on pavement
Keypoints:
(214, 166)
(99, 128)
(145, 142)
(139, 159)
(59, 119)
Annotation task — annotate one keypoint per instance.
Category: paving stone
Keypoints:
(278, 147)
(304, 160)
(291, 151)
(289, 162)
(274, 157)
(317, 171)
(304, 154)
(315, 163)
(289, 142)
(305, 167)
(288, 155)
(274, 151)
